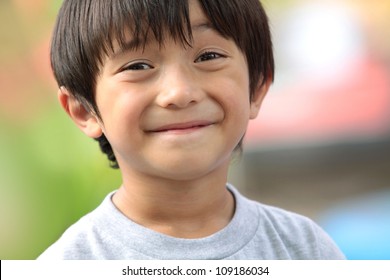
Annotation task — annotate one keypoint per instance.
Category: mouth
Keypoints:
(181, 127)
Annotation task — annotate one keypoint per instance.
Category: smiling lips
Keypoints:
(182, 127)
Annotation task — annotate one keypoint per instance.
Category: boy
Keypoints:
(168, 87)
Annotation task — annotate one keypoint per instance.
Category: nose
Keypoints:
(179, 87)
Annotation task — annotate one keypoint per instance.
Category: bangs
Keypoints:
(143, 19)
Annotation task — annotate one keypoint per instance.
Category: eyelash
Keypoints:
(208, 55)
(138, 66)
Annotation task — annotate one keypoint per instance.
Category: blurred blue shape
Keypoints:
(361, 226)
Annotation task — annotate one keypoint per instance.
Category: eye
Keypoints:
(138, 66)
(208, 55)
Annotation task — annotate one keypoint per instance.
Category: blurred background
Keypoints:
(320, 146)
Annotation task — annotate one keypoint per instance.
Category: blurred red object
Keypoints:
(352, 105)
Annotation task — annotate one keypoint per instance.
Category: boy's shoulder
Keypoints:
(79, 241)
(282, 234)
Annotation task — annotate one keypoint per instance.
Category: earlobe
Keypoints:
(83, 118)
(258, 97)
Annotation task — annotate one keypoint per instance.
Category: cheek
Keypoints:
(237, 103)
(233, 94)
(121, 111)
(236, 86)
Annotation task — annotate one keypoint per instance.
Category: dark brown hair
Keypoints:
(85, 31)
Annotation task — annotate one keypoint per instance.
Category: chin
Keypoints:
(188, 171)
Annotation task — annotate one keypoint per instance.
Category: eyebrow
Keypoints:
(127, 46)
(204, 25)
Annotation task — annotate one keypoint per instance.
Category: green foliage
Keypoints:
(51, 175)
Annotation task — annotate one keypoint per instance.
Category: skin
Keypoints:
(173, 116)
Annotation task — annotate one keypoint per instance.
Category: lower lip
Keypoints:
(184, 131)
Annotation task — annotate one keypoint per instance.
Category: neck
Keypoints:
(184, 209)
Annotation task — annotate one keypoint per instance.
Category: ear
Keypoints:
(83, 118)
(258, 97)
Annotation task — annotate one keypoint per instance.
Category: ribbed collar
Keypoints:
(154, 245)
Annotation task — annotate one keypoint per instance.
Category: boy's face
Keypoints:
(176, 112)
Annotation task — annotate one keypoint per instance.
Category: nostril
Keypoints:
(178, 98)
